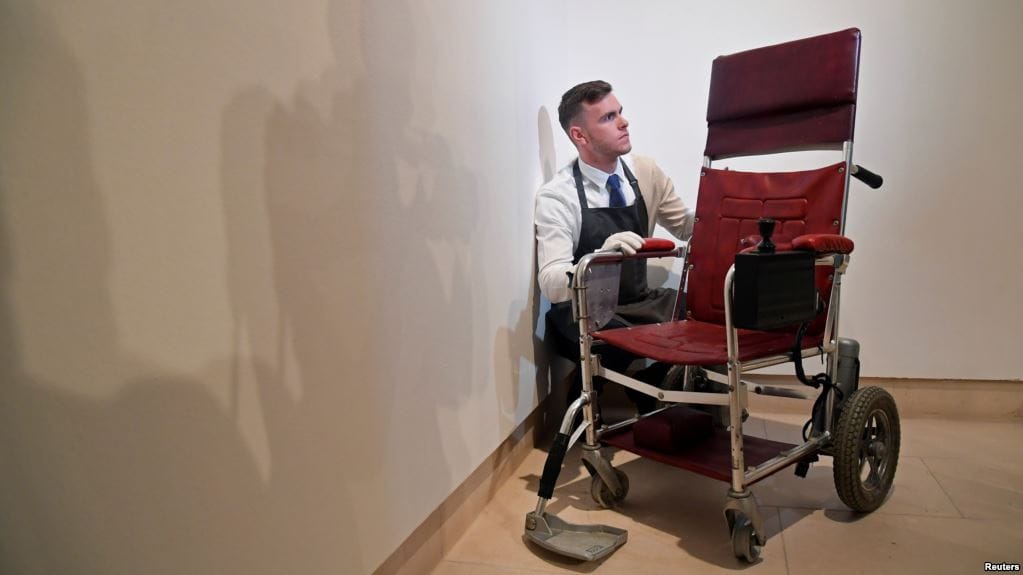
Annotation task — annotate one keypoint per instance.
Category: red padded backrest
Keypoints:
(797, 95)
(727, 209)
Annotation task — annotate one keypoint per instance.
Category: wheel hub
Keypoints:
(877, 449)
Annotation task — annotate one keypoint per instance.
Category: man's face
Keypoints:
(603, 128)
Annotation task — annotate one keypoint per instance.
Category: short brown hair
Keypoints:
(572, 101)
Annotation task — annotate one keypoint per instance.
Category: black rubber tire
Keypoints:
(601, 493)
(744, 540)
(866, 449)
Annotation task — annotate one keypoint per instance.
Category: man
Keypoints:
(606, 199)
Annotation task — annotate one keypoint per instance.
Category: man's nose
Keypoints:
(622, 122)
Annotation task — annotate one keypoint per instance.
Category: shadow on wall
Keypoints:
(348, 230)
(532, 360)
(356, 233)
(153, 479)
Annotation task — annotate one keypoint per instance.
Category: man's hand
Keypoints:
(626, 242)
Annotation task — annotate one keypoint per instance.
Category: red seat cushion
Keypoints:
(698, 343)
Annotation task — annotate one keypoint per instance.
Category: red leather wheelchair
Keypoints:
(761, 286)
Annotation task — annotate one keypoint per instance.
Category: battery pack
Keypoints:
(773, 290)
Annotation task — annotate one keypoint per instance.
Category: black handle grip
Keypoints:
(552, 468)
(867, 177)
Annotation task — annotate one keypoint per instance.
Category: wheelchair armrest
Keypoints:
(651, 248)
(657, 245)
(821, 244)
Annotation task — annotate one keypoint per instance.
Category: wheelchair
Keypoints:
(760, 286)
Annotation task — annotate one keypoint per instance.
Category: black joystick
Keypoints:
(766, 246)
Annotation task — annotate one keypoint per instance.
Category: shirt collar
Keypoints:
(598, 177)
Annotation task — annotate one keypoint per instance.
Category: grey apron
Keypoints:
(637, 303)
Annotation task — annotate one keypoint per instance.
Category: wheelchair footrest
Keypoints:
(585, 542)
(711, 457)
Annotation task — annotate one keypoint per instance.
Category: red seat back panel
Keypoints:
(727, 210)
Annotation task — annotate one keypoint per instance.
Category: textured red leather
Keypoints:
(809, 73)
(813, 130)
(799, 94)
(698, 343)
(823, 244)
(727, 210)
(657, 245)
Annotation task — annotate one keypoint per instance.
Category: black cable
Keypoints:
(816, 382)
(797, 356)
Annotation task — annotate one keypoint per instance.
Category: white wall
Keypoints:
(266, 293)
(931, 290)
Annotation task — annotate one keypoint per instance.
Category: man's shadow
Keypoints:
(360, 258)
(112, 463)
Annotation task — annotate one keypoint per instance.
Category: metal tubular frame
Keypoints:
(589, 363)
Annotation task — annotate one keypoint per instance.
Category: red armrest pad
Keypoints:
(657, 245)
(823, 244)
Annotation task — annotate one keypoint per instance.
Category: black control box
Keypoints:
(773, 290)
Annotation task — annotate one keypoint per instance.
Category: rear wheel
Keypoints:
(866, 449)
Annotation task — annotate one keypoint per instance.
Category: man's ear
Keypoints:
(576, 134)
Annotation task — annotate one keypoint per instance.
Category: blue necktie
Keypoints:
(614, 184)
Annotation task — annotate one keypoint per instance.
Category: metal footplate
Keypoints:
(586, 542)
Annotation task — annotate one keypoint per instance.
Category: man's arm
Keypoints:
(673, 215)
(555, 230)
(668, 208)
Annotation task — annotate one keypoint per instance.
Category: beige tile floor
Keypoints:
(957, 503)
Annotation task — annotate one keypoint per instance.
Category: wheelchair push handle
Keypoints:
(866, 176)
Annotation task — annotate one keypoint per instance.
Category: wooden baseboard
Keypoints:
(431, 541)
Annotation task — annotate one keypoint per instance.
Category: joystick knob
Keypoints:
(766, 246)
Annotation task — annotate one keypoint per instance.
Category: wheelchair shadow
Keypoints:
(687, 507)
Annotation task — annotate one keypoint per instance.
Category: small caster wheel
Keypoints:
(603, 495)
(744, 540)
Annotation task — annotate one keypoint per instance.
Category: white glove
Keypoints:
(626, 242)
